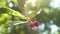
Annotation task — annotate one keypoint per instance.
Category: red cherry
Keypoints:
(36, 23)
(31, 24)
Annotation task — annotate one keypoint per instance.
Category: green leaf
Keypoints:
(11, 12)
(2, 2)
(16, 13)
(4, 19)
(6, 12)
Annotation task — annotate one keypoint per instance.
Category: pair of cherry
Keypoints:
(35, 23)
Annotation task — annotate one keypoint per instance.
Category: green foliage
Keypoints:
(2, 2)
(4, 19)
(7, 12)
(29, 10)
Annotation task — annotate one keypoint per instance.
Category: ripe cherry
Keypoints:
(31, 24)
(36, 23)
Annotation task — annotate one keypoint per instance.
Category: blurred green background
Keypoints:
(13, 15)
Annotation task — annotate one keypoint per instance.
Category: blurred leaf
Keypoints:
(15, 1)
(19, 22)
(11, 12)
(6, 12)
(16, 13)
(4, 19)
(22, 32)
(2, 2)
(3, 29)
(32, 14)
